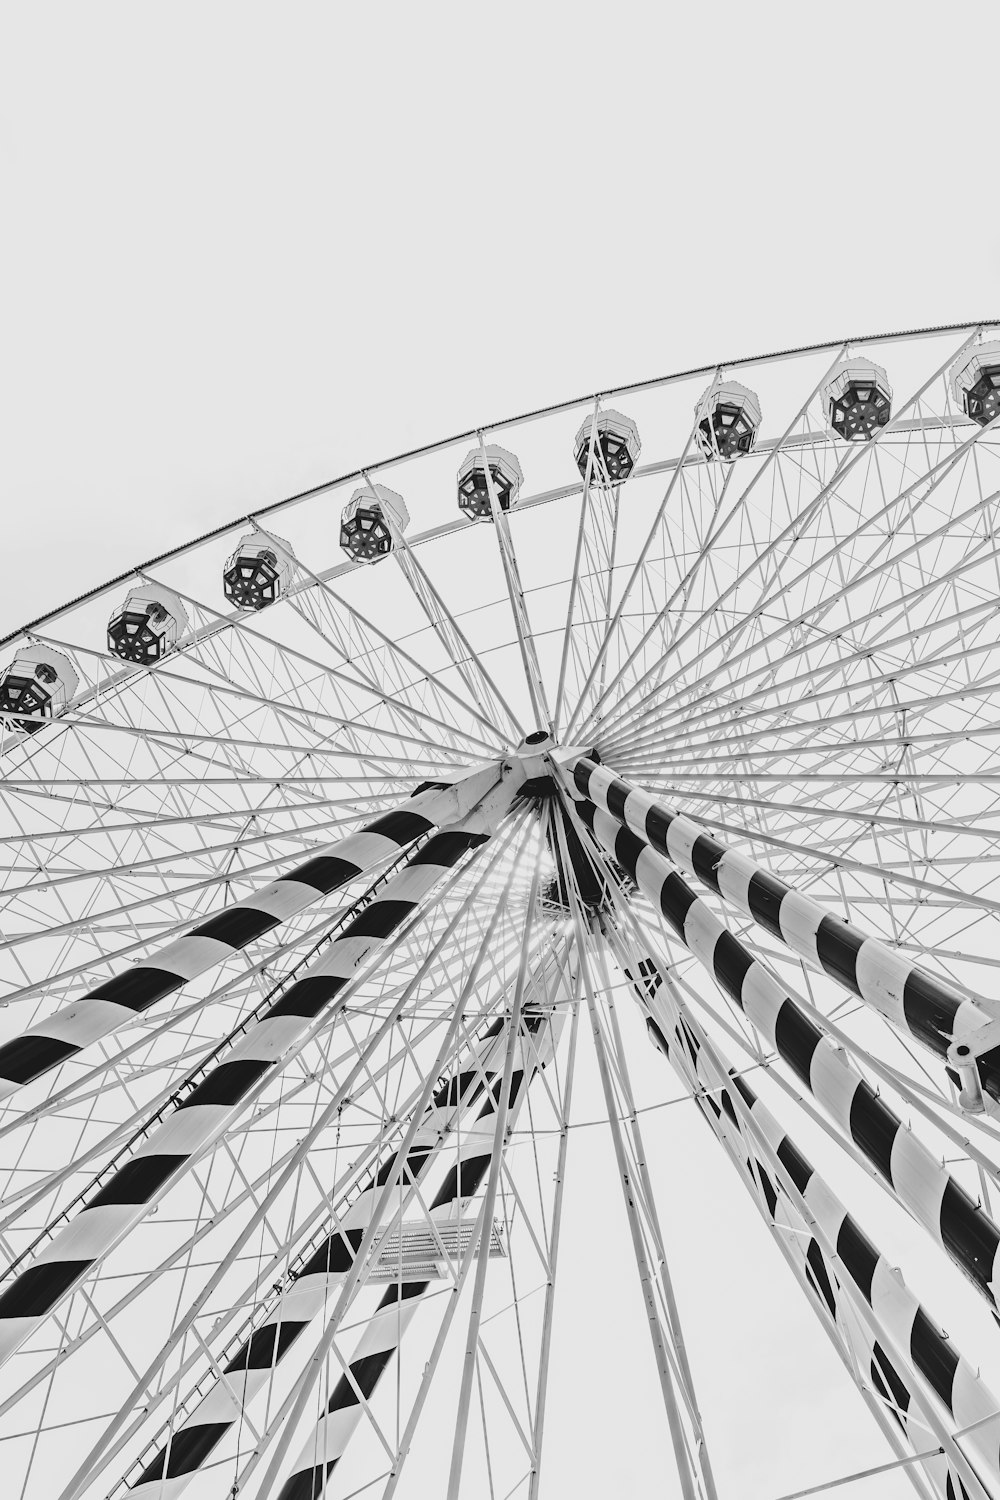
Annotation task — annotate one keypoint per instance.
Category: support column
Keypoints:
(917, 1178)
(529, 1048)
(916, 1002)
(308, 1291)
(890, 1343)
(126, 1197)
(117, 1001)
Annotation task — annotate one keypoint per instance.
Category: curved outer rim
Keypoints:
(253, 517)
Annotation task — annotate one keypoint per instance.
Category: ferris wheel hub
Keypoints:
(754, 664)
(532, 754)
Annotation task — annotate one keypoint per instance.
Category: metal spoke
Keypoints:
(235, 839)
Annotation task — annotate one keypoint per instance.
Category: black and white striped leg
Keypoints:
(882, 1331)
(911, 998)
(918, 1179)
(168, 1150)
(534, 1046)
(307, 1292)
(117, 1001)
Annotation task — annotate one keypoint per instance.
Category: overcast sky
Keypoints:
(246, 248)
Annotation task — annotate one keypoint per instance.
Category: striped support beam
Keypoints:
(327, 1443)
(919, 1180)
(908, 996)
(309, 1289)
(910, 1367)
(207, 1111)
(118, 1000)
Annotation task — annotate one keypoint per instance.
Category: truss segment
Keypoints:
(117, 1001)
(909, 996)
(920, 1182)
(529, 1047)
(298, 1158)
(308, 1290)
(122, 1201)
(891, 1345)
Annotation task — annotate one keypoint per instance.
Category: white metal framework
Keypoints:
(343, 896)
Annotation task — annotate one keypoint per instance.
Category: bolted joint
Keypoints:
(963, 1059)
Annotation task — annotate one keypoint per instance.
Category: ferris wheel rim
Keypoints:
(674, 700)
(361, 473)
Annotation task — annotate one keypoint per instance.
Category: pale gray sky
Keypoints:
(249, 247)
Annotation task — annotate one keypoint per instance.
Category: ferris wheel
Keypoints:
(644, 745)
